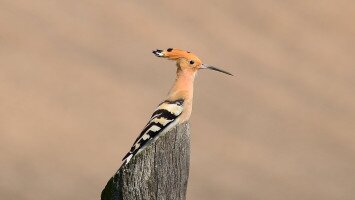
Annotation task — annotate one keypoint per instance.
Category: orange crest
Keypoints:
(175, 54)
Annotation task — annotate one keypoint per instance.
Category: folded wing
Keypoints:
(162, 120)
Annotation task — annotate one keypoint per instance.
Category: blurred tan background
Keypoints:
(78, 82)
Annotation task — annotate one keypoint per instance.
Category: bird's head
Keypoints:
(186, 60)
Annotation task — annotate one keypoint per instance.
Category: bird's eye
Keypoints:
(192, 62)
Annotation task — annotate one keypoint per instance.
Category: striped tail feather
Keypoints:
(162, 120)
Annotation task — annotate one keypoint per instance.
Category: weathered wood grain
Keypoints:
(161, 171)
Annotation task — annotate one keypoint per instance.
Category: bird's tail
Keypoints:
(127, 158)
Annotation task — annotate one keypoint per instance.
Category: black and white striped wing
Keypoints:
(162, 120)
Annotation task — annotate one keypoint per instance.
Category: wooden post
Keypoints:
(160, 171)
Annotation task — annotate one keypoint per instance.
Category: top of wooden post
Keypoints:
(160, 171)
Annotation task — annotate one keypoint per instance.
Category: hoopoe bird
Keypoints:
(176, 108)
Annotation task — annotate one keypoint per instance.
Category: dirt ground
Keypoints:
(78, 82)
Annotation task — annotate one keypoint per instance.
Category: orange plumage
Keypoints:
(187, 66)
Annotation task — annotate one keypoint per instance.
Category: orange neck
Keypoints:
(183, 86)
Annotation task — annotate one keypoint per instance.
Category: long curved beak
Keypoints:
(204, 66)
